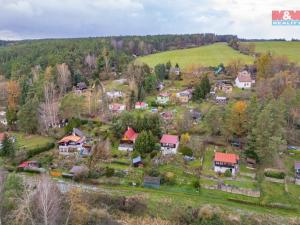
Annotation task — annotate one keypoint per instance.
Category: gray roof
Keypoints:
(78, 132)
(137, 159)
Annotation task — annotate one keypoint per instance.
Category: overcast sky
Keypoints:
(24, 19)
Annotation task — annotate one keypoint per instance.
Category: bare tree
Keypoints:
(100, 151)
(106, 57)
(90, 61)
(47, 202)
(64, 78)
(49, 109)
(36, 72)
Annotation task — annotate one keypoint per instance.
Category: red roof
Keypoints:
(116, 106)
(2, 136)
(130, 134)
(244, 76)
(164, 94)
(169, 139)
(27, 163)
(226, 157)
(141, 104)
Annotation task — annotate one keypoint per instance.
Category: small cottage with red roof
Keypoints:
(128, 140)
(226, 161)
(244, 80)
(169, 144)
(141, 105)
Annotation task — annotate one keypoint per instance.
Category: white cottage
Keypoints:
(243, 80)
(226, 161)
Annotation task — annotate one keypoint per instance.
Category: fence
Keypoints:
(234, 190)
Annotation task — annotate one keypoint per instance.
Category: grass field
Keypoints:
(30, 141)
(210, 55)
(289, 49)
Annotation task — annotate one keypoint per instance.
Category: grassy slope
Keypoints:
(31, 141)
(210, 55)
(289, 49)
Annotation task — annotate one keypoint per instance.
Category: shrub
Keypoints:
(168, 178)
(196, 184)
(153, 154)
(152, 172)
(109, 172)
(186, 151)
(227, 173)
(38, 150)
(274, 174)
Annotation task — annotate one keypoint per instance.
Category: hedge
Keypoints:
(273, 206)
(35, 151)
(274, 174)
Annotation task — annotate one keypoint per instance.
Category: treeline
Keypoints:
(18, 59)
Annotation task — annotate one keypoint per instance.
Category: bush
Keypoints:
(196, 184)
(38, 150)
(186, 151)
(168, 178)
(152, 172)
(274, 174)
(227, 173)
(109, 172)
(153, 154)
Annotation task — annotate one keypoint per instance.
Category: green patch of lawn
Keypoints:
(28, 142)
(210, 55)
(241, 184)
(281, 48)
(275, 193)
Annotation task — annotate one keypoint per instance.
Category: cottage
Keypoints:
(297, 172)
(163, 98)
(224, 86)
(169, 144)
(151, 182)
(71, 144)
(221, 99)
(196, 115)
(226, 161)
(141, 105)
(117, 108)
(128, 140)
(184, 96)
(243, 80)
(114, 94)
(160, 86)
(175, 70)
(137, 161)
(81, 86)
(29, 164)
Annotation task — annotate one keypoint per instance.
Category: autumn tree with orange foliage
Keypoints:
(236, 119)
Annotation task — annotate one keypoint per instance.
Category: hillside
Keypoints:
(289, 49)
(210, 55)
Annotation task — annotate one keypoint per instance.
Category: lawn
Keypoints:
(286, 48)
(30, 141)
(210, 55)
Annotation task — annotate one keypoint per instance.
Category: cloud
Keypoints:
(84, 18)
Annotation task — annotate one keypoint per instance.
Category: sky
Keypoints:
(34, 19)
